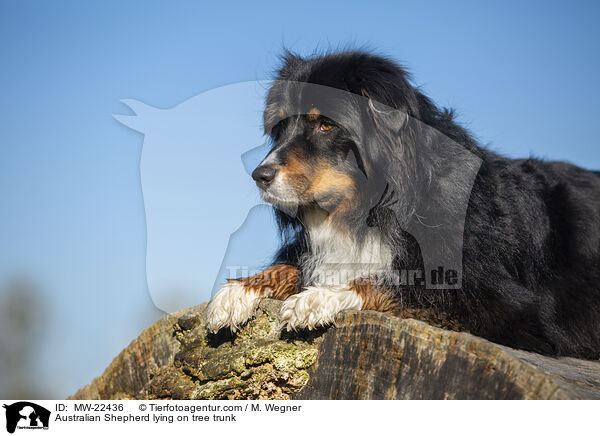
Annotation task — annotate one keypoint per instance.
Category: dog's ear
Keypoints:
(384, 117)
(393, 129)
(389, 93)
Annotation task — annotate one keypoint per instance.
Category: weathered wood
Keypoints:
(367, 355)
(129, 372)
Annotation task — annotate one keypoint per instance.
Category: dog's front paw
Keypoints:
(317, 307)
(231, 307)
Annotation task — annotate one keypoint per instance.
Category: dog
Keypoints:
(366, 171)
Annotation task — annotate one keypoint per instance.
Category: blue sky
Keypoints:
(522, 76)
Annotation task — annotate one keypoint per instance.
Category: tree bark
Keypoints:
(366, 355)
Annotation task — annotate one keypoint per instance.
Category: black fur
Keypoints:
(531, 243)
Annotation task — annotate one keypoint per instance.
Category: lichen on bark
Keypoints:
(257, 363)
(365, 355)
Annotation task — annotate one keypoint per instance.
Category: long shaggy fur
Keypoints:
(531, 241)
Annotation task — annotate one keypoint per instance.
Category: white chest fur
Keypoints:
(336, 257)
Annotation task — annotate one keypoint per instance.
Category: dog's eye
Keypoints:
(326, 126)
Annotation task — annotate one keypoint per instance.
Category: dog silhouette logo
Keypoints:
(205, 219)
(26, 415)
(203, 212)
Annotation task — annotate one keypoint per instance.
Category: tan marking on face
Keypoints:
(327, 179)
(294, 167)
(281, 113)
(313, 114)
(314, 181)
(296, 173)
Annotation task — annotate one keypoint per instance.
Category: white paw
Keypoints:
(317, 306)
(231, 307)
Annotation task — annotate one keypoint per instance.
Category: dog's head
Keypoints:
(336, 124)
(355, 141)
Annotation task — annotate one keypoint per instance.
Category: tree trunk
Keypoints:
(366, 355)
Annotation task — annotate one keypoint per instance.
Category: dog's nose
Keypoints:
(264, 175)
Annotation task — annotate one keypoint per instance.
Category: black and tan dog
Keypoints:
(363, 165)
